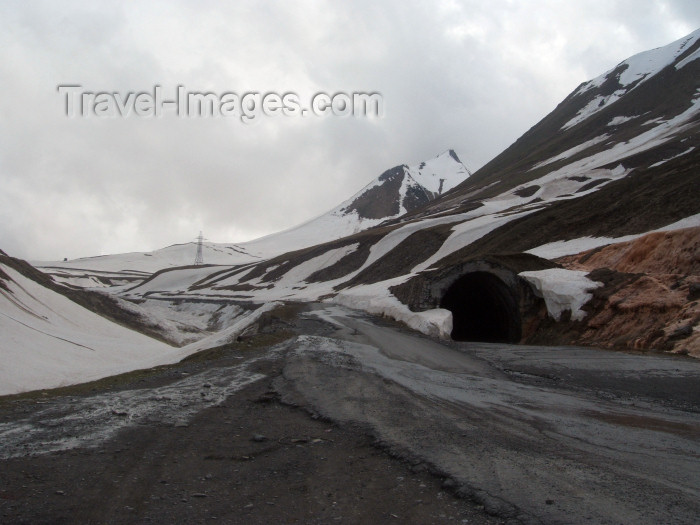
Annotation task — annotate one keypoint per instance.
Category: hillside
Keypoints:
(527, 249)
(47, 340)
(52, 336)
(394, 193)
(651, 293)
(618, 158)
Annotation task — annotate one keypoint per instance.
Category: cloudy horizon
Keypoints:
(469, 76)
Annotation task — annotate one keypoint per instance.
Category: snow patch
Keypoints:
(376, 299)
(229, 334)
(562, 290)
(297, 275)
(177, 280)
(554, 250)
(468, 232)
(621, 120)
(671, 158)
(572, 151)
(593, 107)
(687, 60)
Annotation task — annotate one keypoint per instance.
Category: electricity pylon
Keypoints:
(199, 258)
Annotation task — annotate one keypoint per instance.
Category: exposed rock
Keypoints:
(675, 252)
(653, 307)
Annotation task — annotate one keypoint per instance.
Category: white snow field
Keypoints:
(48, 341)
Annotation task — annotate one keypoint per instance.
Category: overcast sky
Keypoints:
(471, 75)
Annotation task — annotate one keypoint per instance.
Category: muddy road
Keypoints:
(353, 420)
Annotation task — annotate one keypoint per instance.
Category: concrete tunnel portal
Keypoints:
(484, 309)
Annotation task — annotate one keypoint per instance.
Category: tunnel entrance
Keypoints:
(483, 309)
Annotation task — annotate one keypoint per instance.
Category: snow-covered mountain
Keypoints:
(585, 231)
(617, 159)
(400, 190)
(394, 193)
(52, 336)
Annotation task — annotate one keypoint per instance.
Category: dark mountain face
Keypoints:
(380, 201)
(600, 106)
(403, 189)
(642, 117)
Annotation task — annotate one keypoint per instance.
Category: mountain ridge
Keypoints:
(500, 235)
(667, 93)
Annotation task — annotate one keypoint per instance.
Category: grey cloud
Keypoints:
(466, 75)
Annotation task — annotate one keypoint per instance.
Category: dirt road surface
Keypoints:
(354, 420)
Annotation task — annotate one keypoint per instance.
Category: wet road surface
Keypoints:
(528, 434)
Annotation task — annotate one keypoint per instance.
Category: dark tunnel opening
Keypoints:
(483, 309)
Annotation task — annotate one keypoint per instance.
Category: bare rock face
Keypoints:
(654, 303)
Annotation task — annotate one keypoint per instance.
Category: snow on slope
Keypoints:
(175, 281)
(439, 174)
(149, 262)
(377, 299)
(633, 72)
(427, 179)
(468, 227)
(572, 151)
(562, 290)
(554, 250)
(663, 132)
(48, 341)
(434, 176)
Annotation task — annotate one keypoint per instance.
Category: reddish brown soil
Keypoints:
(656, 305)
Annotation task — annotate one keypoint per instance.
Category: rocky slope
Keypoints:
(652, 292)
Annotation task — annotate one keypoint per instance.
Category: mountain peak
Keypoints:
(404, 188)
(439, 174)
(451, 153)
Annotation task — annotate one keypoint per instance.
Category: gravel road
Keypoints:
(355, 420)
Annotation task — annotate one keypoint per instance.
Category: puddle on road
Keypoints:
(68, 423)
